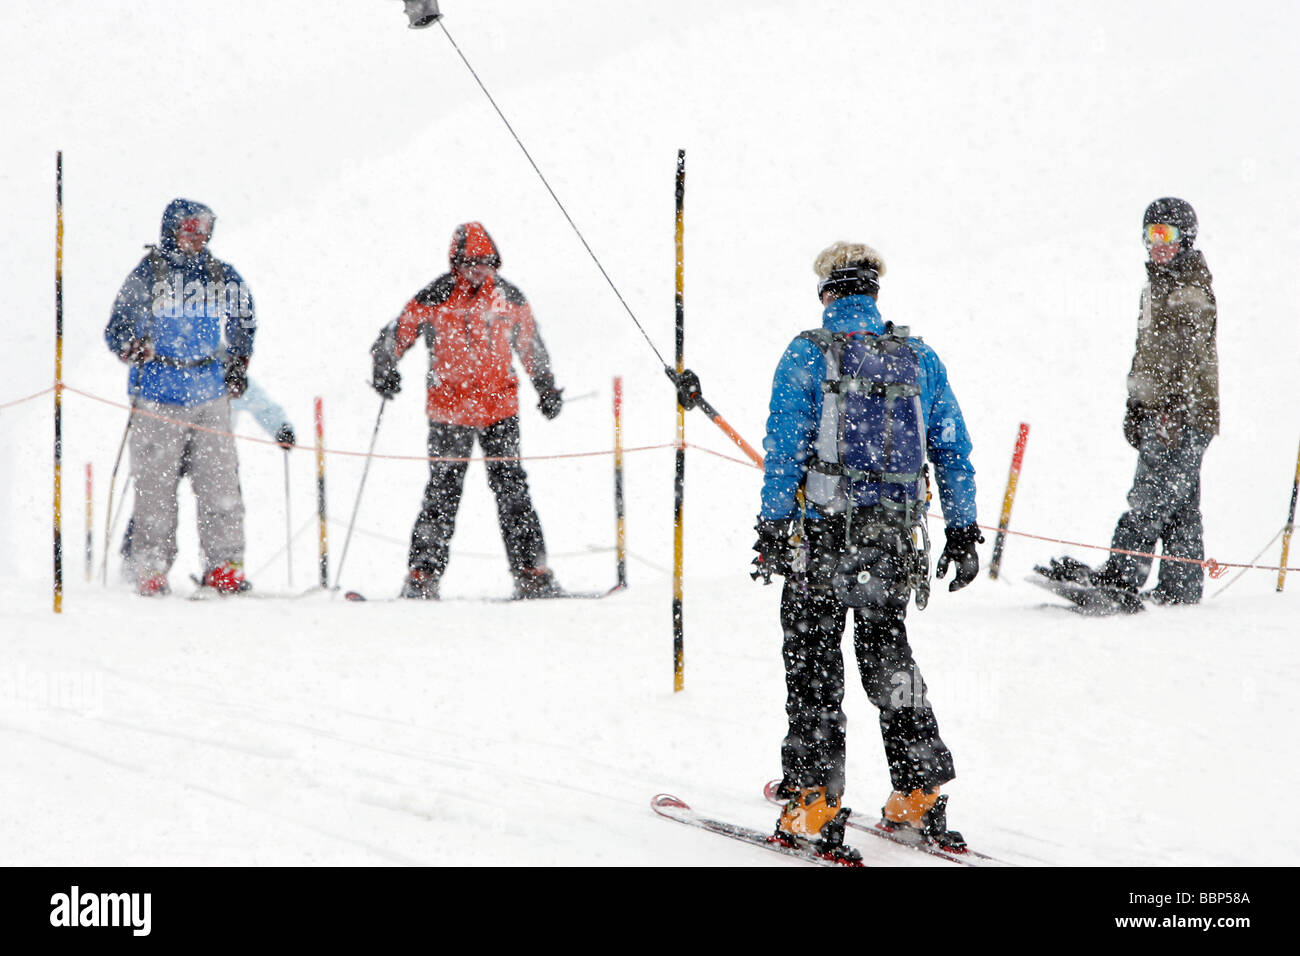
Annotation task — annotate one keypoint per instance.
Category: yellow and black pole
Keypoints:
(58, 385)
(1290, 526)
(679, 475)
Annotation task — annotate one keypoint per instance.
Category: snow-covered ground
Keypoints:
(999, 156)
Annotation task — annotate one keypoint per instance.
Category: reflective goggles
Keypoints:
(1161, 233)
(200, 225)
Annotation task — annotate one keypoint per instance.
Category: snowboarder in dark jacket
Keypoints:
(1171, 416)
(844, 532)
(473, 320)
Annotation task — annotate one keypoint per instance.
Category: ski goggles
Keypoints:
(199, 225)
(1161, 233)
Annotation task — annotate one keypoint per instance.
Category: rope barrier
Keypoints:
(1237, 576)
(1215, 569)
(19, 401)
(355, 454)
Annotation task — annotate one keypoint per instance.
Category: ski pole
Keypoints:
(1259, 554)
(288, 523)
(1290, 526)
(360, 488)
(112, 481)
(90, 523)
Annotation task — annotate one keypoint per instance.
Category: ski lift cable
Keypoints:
(685, 381)
(545, 183)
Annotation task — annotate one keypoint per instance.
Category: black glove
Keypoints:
(386, 380)
(1133, 415)
(237, 376)
(961, 549)
(136, 351)
(549, 401)
(773, 547)
(285, 436)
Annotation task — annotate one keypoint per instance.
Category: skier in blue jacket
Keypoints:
(857, 407)
(184, 321)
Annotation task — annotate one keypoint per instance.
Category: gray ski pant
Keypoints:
(1164, 507)
(157, 447)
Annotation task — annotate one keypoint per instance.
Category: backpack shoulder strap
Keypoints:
(831, 345)
(162, 268)
(158, 263)
(822, 338)
(216, 270)
(899, 333)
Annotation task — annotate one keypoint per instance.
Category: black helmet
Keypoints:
(857, 278)
(1172, 212)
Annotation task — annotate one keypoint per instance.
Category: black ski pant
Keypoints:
(813, 751)
(521, 530)
(1164, 506)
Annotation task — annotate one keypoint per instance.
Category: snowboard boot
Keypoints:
(921, 815)
(535, 583)
(1107, 582)
(420, 585)
(1066, 569)
(227, 578)
(1159, 595)
(154, 586)
(814, 818)
(1111, 580)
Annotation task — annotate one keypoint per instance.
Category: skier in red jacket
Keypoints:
(472, 320)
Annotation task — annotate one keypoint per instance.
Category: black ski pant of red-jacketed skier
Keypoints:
(521, 529)
(813, 620)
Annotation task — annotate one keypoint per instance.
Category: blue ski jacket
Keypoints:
(196, 311)
(265, 410)
(796, 407)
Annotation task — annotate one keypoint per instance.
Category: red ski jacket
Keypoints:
(471, 335)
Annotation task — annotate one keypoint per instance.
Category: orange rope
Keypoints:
(19, 401)
(1215, 569)
(356, 454)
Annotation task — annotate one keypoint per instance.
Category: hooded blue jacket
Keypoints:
(796, 407)
(195, 310)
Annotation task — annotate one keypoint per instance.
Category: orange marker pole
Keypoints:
(1013, 479)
